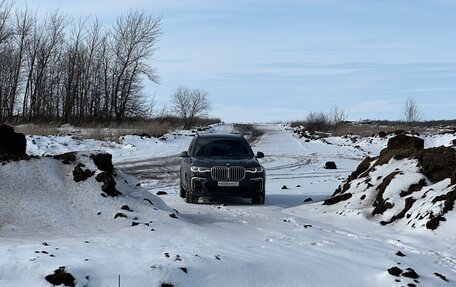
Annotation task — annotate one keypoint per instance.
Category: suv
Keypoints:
(221, 165)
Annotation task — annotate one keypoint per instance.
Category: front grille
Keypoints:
(234, 173)
(219, 173)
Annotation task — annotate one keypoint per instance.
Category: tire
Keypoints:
(182, 192)
(190, 198)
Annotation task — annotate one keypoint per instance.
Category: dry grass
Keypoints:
(373, 128)
(97, 132)
(39, 130)
(153, 127)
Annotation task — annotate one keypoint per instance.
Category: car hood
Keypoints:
(210, 162)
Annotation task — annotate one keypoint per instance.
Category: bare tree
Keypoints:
(337, 115)
(188, 104)
(317, 122)
(56, 68)
(412, 112)
(134, 37)
(22, 25)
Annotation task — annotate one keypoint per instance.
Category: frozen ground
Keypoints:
(284, 243)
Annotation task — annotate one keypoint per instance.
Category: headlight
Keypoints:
(258, 169)
(198, 169)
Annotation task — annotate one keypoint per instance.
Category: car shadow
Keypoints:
(293, 200)
(279, 200)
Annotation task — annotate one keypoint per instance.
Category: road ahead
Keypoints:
(286, 242)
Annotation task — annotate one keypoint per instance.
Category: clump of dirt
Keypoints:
(60, 277)
(11, 142)
(109, 184)
(441, 277)
(12, 145)
(404, 142)
(438, 163)
(67, 158)
(337, 199)
(80, 174)
(330, 165)
(395, 271)
(103, 161)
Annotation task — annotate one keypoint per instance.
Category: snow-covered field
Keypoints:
(49, 221)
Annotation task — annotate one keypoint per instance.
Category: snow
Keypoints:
(286, 242)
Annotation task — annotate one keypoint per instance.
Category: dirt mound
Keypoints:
(405, 183)
(41, 196)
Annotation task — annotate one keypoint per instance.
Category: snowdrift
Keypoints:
(40, 196)
(405, 185)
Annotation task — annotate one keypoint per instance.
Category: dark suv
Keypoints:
(221, 165)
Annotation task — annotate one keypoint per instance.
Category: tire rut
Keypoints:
(160, 168)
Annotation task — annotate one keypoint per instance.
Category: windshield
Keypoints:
(223, 148)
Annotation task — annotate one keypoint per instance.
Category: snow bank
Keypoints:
(406, 185)
(40, 197)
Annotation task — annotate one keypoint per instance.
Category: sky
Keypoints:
(278, 60)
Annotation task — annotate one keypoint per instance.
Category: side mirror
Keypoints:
(260, 155)
(184, 154)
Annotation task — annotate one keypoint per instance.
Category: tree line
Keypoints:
(57, 68)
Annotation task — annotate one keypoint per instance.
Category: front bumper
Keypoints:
(248, 187)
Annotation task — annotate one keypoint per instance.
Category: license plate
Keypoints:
(228, 183)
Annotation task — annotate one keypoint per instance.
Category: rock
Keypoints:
(284, 187)
(308, 199)
(410, 273)
(121, 215)
(441, 277)
(330, 165)
(126, 207)
(103, 161)
(60, 277)
(161, 193)
(400, 254)
(395, 271)
(12, 143)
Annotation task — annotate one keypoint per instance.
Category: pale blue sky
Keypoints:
(268, 60)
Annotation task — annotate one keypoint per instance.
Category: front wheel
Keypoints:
(182, 192)
(190, 198)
